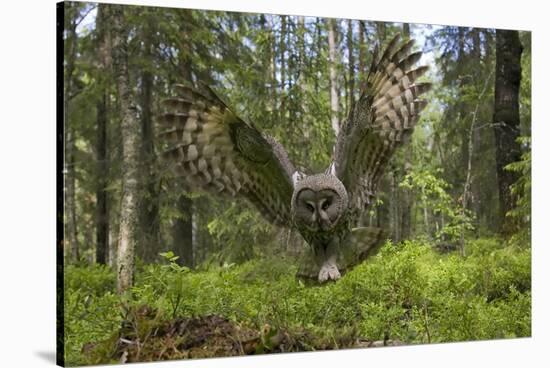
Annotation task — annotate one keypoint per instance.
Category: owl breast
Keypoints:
(321, 237)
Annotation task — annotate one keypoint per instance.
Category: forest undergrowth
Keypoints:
(409, 293)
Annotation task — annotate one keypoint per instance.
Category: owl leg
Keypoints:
(326, 257)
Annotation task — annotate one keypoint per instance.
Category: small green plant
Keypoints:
(171, 258)
(164, 281)
(434, 197)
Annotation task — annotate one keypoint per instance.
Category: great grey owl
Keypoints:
(211, 149)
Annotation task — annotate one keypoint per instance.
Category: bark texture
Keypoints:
(334, 103)
(130, 154)
(506, 115)
(71, 238)
(102, 209)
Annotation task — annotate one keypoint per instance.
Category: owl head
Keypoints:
(318, 202)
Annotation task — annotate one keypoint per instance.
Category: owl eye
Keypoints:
(310, 207)
(326, 205)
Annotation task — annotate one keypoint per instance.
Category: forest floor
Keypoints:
(207, 337)
(408, 293)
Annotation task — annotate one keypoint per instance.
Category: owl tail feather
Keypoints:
(360, 244)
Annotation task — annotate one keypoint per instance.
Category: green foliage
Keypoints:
(94, 279)
(433, 195)
(91, 309)
(521, 191)
(506, 267)
(407, 292)
(237, 230)
(168, 275)
(525, 87)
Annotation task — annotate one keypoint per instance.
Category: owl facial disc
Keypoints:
(319, 201)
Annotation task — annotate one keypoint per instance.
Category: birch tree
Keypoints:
(130, 129)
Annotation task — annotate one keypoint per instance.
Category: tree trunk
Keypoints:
(395, 213)
(182, 233)
(405, 195)
(273, 70)
(334, 103)
(383, 215)
(182, 227)
(130, 153)
(362, 55)
(476, 50)
(351, 66)
(506, 115)
(70, 200)
(467, 193)
(461, 50)
(302, 45)
(466, 80)
(291, 59)
(69, 139)
(149, 205)
(269, 67)
(102, 209)
(477, 180)
(302, 67)
(381, 32)
(292, 66)
(113, 246)
(406, 31)
(426, 221)
(282, 49)
(489, 42)
(319, 50)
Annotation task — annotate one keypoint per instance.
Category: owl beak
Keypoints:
(323, 221)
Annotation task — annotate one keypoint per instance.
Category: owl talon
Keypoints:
(329, 271)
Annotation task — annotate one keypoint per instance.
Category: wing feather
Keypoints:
(209, 148)
(382, 120)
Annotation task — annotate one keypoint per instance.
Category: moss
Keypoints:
(407, 293)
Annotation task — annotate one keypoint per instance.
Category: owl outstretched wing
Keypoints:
(382, 120)
(209, 148)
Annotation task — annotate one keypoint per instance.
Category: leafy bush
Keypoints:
(433, 193)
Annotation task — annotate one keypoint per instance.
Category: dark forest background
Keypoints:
(459, 193)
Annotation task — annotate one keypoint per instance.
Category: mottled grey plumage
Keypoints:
(209, 148)
(381, 120)
(212, 149)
